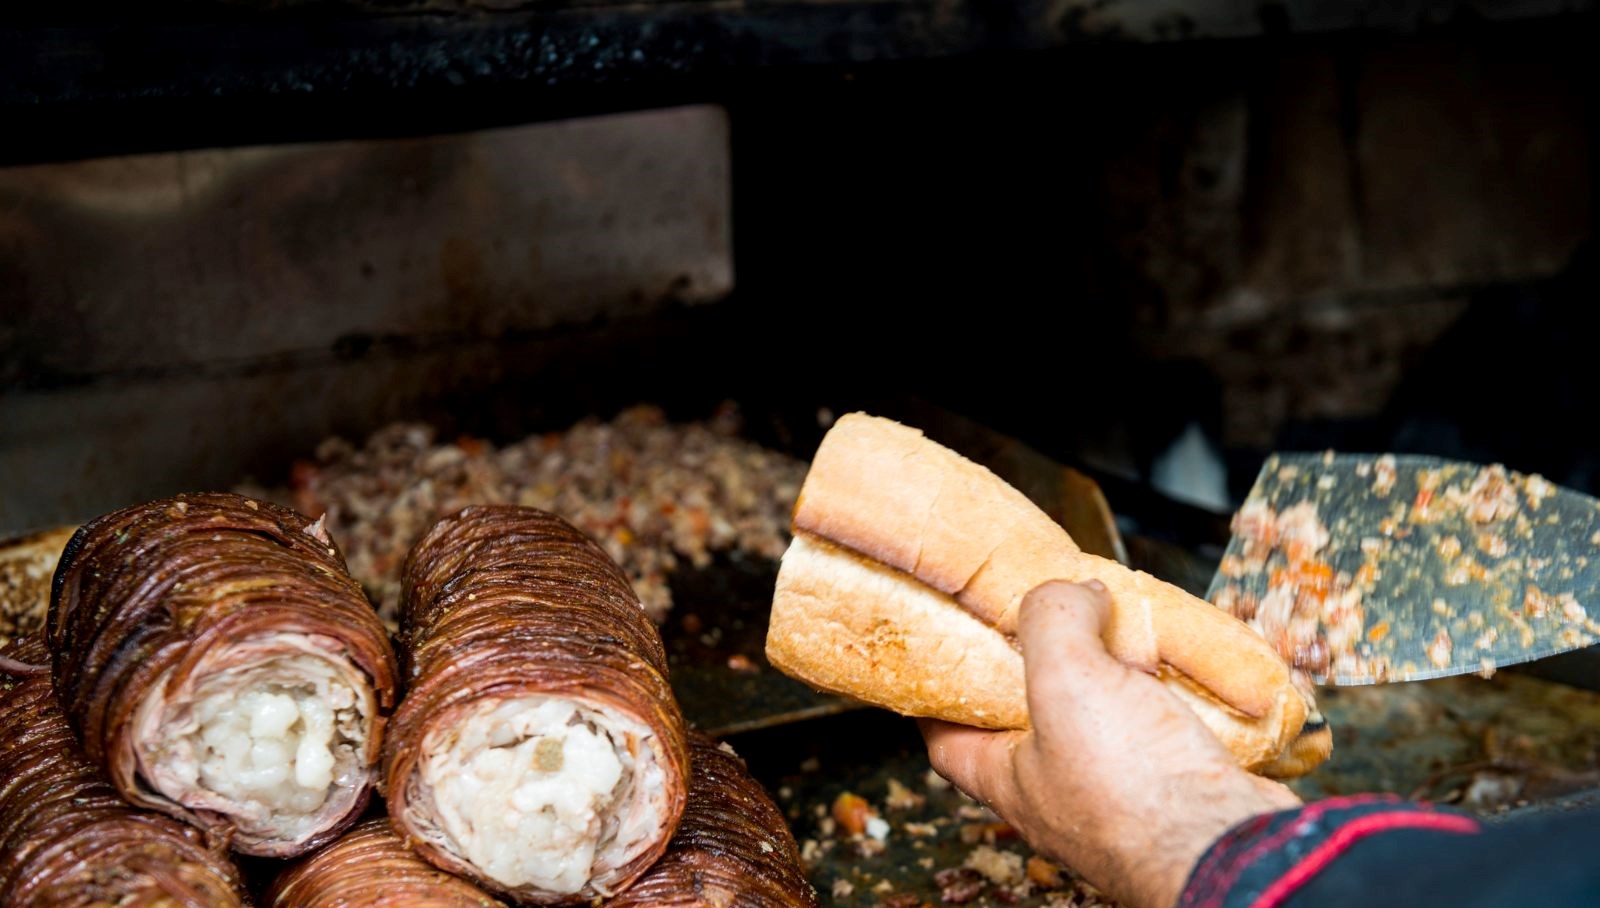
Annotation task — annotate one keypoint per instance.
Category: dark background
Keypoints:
(1083, 228)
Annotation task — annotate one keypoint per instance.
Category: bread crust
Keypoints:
(908, 559)
(846, 624)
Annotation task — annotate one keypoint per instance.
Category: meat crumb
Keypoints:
(1571, 609)
(958, 885)
(1383, 482)
(843, 889)
(1537, 488)
(902, 798)
(871, 848)
(1003, 868)
(988, 833)
(1043, 873)
(1439, 649)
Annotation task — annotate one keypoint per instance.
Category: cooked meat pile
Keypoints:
(26, 566)
(218, 662)
(652, 493)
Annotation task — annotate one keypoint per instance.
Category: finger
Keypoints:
(1076, 688)
(1060, 628)
(977, 761)
(1088, 604)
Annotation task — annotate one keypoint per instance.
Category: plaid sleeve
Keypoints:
(1266, 860)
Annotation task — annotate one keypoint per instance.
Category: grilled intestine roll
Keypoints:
(66, 837)
(371, 867)
(539, 749)
(732, 848)
(218, 661)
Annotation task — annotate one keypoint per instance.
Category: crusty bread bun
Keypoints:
(902, 585)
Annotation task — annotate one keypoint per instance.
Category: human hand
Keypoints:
(1117, 779)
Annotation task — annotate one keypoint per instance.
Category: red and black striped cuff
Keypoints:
(1263, 861)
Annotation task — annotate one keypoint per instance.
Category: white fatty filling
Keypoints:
(267, 742)
(271, 746)
(543, 792)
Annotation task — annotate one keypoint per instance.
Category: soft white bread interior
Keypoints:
(903, 583)
(845, 623)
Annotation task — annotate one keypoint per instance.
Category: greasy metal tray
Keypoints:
(1510, 744)
(716, 637)
(1497, 747)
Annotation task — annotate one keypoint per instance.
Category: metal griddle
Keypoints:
(1499, 747)
(1515, 743)
(1529, 741)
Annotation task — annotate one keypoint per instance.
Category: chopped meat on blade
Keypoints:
(1433, 552)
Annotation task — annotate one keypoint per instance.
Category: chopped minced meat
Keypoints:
(26, 566)
(902, 798)
(1439, 650)
(1003, 868)
(654, 494)
(1044, 874)
(930, 858)
(1282, 577)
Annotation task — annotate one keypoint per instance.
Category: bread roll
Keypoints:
(909, 564)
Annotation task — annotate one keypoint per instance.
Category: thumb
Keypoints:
(977, 761)
(1060, 628)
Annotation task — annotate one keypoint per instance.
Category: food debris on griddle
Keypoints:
(1309, 561)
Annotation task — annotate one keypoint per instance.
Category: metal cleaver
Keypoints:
(1368, 568)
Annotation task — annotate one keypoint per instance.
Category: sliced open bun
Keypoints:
(845, 623)
(908, 567)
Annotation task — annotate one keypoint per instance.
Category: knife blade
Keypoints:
(1363, 568)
